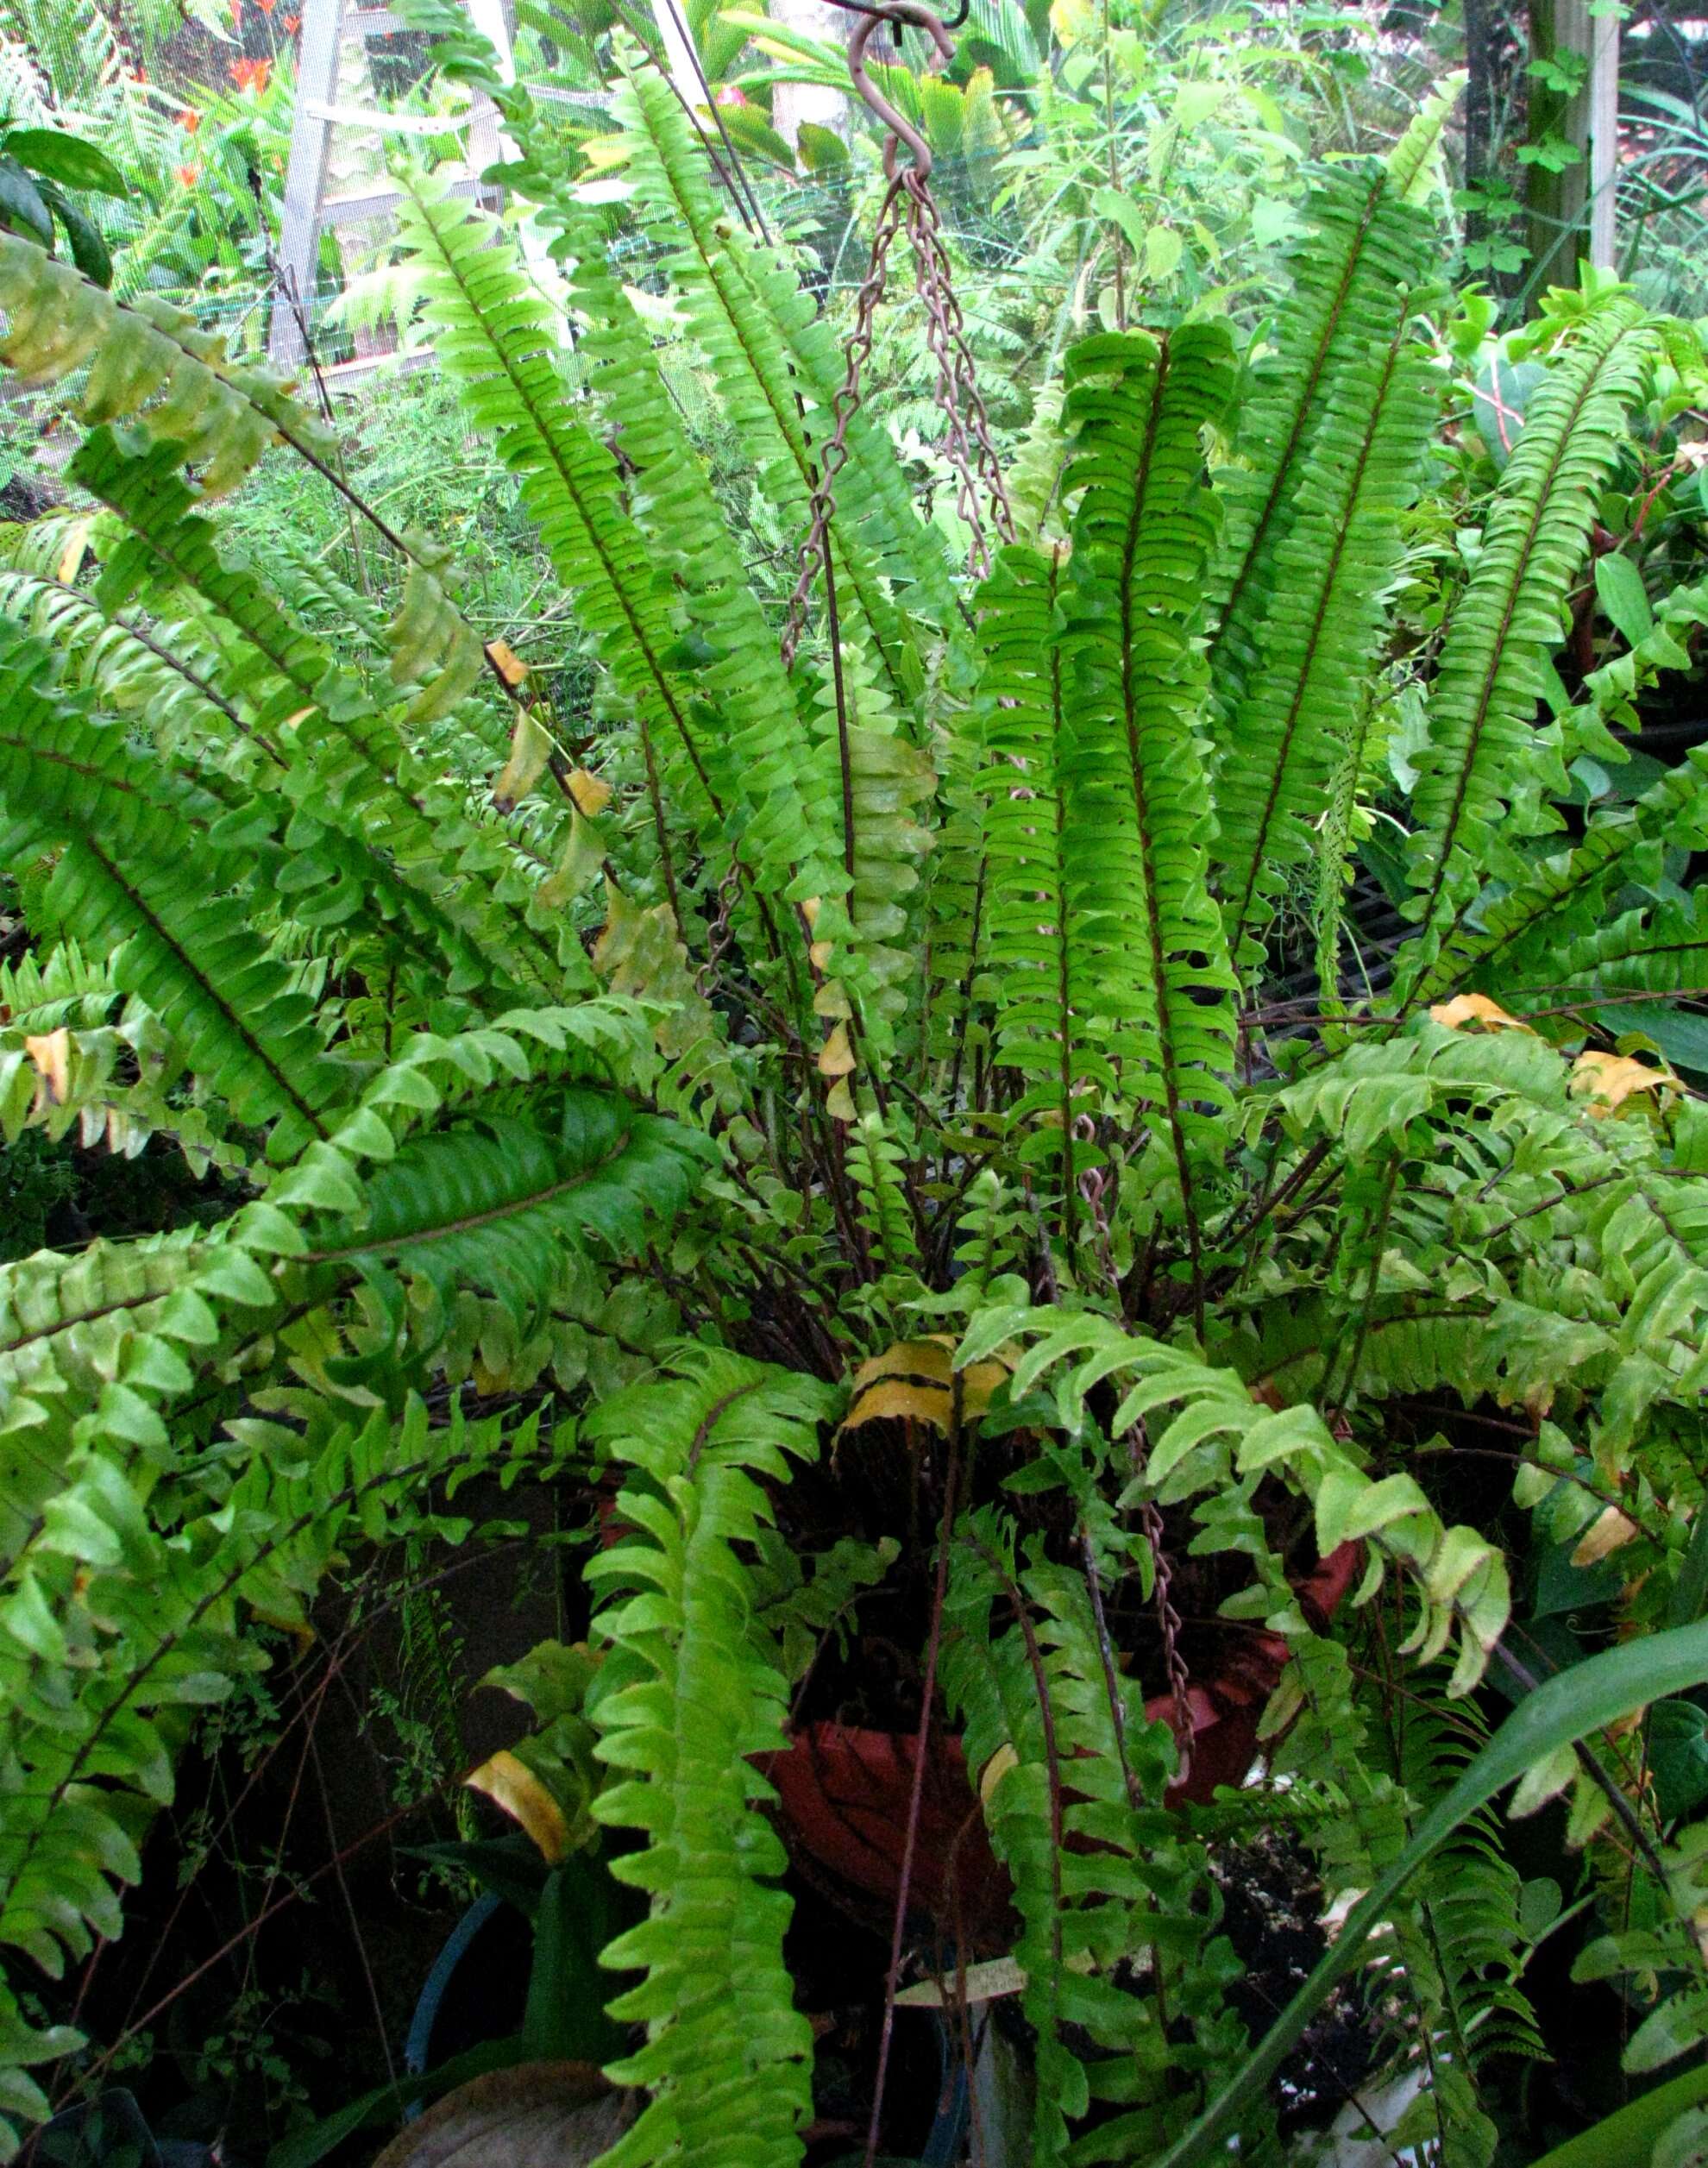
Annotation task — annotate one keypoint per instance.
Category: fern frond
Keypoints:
(490, 1202)
(156, 1627)
(1658, 949)
(1413, 163)
(1564, 898)
(1135, 803)
(877, 779)
(741, 696)
(41, 992)
(150, 366)
(95, 1349)
(1096, 1864)
(1042, 997)
(122, 884)
(67, 1326)
(130, 671)
(1365, 248)
(1214, 1437)
(1483, 700)
(767, 347)
(495, 340)
(147, 359)
(1321, 628)
(414, 838)
(727, 2057)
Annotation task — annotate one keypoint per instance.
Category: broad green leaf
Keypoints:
(21, 204)
(1618, 587)
(89, 250)
(1164, 248)
(1122, 210)
(66, 158)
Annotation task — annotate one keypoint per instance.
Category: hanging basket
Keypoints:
(845, 1791)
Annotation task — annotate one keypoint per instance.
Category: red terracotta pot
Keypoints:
(844, 1791)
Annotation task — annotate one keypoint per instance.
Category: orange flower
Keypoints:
(292, 24)
(189, 122)
(237, 15)
(250, 75)
(266, 6)
(189, 175)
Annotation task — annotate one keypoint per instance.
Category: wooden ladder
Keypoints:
(328, 27)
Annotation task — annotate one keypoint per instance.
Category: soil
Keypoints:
(874, 1485)
(1272, 1903)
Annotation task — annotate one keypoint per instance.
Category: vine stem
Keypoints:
(916, 1789)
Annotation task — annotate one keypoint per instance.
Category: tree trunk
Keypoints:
(793, 103)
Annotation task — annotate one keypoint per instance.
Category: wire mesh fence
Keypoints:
(197, 96)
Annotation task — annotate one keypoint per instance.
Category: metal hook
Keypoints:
(921, 18)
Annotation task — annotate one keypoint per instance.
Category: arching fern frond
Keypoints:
(156, 1628)
(727, 2057)
(1657, 949)
(122, 884)
(150, 365)
(129, 670)
(1482, 703)
(411, 834)
(1207, 1437)
(1564, 898)
(490, 1202)
(147, 360)
(495, 340)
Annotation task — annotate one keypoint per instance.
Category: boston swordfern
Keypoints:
(894, 1018)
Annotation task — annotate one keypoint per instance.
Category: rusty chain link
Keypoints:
(816, 544)
(1168, 1618)
(908, 206)
(718, 933)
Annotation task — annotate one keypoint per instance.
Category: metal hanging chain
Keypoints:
(1168, 1618)
(908, 205)
(847, 402)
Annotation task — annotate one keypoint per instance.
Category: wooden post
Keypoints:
(1604, 134)
(305, 176)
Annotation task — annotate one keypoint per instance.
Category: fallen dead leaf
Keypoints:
(51, 1053)
(1476, 1008)
(1605, 1535)
(1609, 1079)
